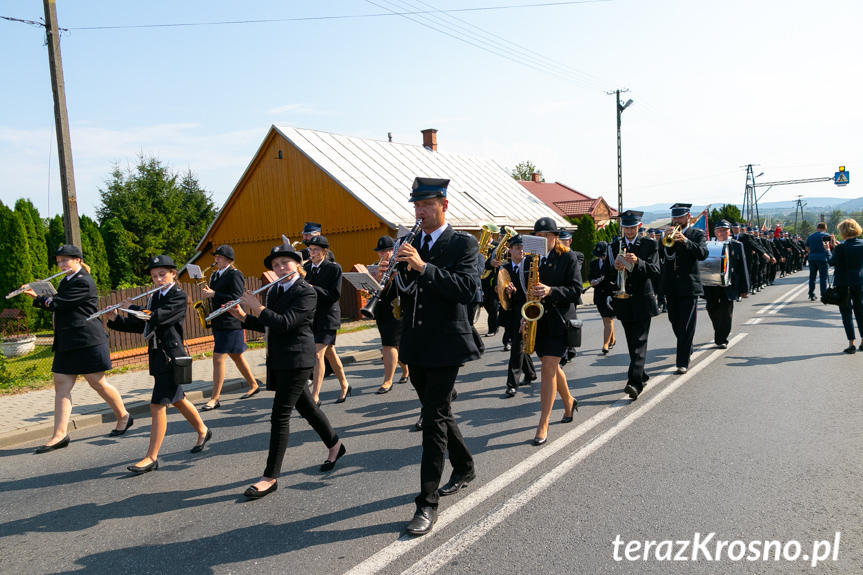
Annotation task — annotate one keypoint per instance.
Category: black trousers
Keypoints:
(636, 341)
(291, 392)
(520, 363)
(721, 310)
(435, 387)
(682, 313)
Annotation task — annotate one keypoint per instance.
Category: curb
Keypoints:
(197, 391)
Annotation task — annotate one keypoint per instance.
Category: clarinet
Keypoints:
(369, 309)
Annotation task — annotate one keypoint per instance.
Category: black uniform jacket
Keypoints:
(642, 305)
(228, 287)
(562, 273)
(75, 301)
(680, 274)
(436, 330)
(738, 274)
(167, 316)
(518, 297)
(288, 315)
(607, 276)
(328, 287)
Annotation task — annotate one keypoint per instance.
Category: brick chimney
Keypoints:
(430, 139)
(536, 178)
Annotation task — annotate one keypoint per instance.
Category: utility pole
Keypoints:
(620, 108)
(61, 120)
(750, 202)
(798, 208)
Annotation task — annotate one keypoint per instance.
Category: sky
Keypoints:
(715, 86)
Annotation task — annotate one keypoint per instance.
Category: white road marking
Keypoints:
(754, 320)
(470, 535)
(783, 299)
(406, 542)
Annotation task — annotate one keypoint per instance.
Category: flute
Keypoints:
(117, 305)
(25, 287)
(236, 302)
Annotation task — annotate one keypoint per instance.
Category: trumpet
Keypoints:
(204, 306)
(24, 288)
(236, 302)
(118, 305)
(485, 238)
(500, 251)
(668, 239)
(621, 275)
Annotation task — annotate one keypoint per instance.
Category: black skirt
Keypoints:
(325, 336)
(229, 341)
(164, 390)
(600, 298)
(391, 331)
(94, 359)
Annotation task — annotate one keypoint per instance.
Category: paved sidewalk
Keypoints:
(30, 416)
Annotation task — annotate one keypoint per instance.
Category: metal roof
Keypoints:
(380, 174)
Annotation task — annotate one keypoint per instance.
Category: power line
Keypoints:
(307, 18)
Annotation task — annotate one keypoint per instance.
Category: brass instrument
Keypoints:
(503, 279)
(204, 306)
(236, 302)
(532, 310)
(488, 230)
(25, 287)
(500, 251)
(621, 275)
(668, 239)
(118, 305)
(298, 245)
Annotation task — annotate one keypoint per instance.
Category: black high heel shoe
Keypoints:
(144, 468)
(328, 465)
(568, 419)
(200, 448)
(344, 398)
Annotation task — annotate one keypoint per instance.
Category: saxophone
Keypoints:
(500, 251)
(532, 310)
(204, 306)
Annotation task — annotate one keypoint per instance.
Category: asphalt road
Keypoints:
(758, 443)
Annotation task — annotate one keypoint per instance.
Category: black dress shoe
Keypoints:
(253, 493)
(419, 424)
(328, 465)
(344, 397)
(456, 482)
(403, 379)
(722, 345)
(682, 370)
(251, 393)
(507, 347)
(631, 391)
(422, 522)
(116, 432)
(539, 440)
(382, 390)
(526, 381)
(644, 379)
(59, 445)
(144, 468)
(200, 448)
(850, 349)
(206, 407)
(511, 391)
(491, 333)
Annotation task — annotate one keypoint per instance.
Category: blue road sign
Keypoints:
(841, 177)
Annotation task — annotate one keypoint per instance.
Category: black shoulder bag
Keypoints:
(572, 328)
(181, 366)
(836, 295)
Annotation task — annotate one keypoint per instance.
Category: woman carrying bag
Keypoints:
(847, 261)
(163, 331)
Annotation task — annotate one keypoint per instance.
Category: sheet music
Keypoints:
(626, 264)
(363, 281)
(534, 245)
(43, 288)
(194, 271)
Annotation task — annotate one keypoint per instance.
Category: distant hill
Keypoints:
(660, 212)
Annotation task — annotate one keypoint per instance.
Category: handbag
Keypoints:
(836, 295)
(572, 330)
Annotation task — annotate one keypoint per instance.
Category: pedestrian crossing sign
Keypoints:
(841, 177)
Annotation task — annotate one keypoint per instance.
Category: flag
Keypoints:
(701, 223)
(764, 226)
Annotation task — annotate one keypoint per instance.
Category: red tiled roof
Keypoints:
(564, 200)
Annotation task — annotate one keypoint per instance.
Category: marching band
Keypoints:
(430, 281)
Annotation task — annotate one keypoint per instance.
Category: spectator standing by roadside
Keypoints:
(818, 246)
(847, 260)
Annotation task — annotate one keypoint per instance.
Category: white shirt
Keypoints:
(434, 236)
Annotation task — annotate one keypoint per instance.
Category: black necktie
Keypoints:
(314, 273)
(542, 261)
(424, 250)
(515, 270)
